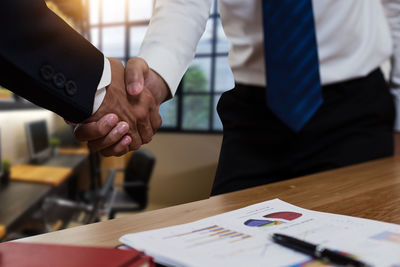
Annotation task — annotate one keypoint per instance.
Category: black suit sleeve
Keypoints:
(47, 62)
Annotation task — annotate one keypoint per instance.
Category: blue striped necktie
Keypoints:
(293, 84)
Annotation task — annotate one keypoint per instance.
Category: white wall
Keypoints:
(185, 167)
(13, 139)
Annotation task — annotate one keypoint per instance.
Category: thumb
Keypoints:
(135, 73)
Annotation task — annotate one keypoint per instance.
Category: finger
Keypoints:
(111, 138)
(143, 123)
(155, 120)
(136, 140)
(135, 72)
(119, 149)
(70, 123)
(95, 130)
(145, 130)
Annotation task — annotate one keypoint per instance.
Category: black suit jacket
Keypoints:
(47, 62)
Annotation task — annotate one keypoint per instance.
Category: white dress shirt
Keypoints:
(354, 37)
(105, 81)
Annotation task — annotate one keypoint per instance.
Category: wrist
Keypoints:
(160, 89)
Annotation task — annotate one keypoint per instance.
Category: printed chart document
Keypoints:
(243, 238)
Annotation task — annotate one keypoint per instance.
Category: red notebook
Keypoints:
(45, 255)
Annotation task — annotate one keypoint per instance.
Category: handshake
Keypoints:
(129, 114)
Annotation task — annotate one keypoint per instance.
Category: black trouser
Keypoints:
(354, 124)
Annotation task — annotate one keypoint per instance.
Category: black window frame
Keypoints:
(180, 94)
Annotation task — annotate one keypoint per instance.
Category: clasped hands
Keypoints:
(129, 114)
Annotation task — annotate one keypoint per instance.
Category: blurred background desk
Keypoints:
(30, 184)
(369, 190)
(18, 200)
(49, 175)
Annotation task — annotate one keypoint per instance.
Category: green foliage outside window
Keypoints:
(195, 80)
(196, 109)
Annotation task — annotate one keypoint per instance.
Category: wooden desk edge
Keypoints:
(107, 233)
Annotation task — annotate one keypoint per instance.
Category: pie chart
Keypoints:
(286, 215)
(261, 223)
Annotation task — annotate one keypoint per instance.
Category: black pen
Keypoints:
(316, 251)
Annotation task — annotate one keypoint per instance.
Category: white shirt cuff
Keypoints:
(166, 64)
(101, 88)
(396, 95)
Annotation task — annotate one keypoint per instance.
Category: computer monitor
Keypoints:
(38, 140)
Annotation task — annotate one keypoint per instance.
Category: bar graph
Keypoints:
(207, 235)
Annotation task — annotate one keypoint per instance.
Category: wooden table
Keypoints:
(370, 190)
(73, 151)
(48, 175)
(2, 231)
(52, 172)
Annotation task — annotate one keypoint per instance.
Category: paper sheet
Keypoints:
(243, 238)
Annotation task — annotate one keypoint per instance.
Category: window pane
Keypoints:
(94, 11)
(222, 41)
(223, 75)
(113, 11)
(205, 44)
(217, 124)
(169, 113)
(196, 112)
(94, 36)
(140, 9)
(197, 77)
(137, 36)
(114, 41)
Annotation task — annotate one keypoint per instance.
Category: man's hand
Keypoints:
(138, 116)
(138, 75)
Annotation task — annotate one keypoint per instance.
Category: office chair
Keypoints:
(95, 204)
(133, 196)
